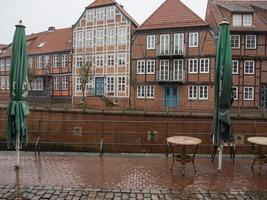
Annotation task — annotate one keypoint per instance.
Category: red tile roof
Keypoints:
(215, 14)
(47, 42)
(97, 3)
(2, 46)
(172, 14)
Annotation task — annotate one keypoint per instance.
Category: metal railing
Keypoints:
(170, 76)
(171, 50)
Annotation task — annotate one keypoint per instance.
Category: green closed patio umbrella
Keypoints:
(17, 133)
(223, 90)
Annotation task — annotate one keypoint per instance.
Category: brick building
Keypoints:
(173, 58)
(2, 48)
(50, 58)
(102, 36)
(249, 46)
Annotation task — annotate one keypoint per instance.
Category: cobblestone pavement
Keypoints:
(68, 176)
(59, 193)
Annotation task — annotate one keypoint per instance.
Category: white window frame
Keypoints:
(39, 62)
(150, 41)
(178, 46)
(165, 44)
(46, 61)
(111, 85)
(235, 64)
(204, 66)
(65, 60)
(78, 85)
(122, 58)
(247, 67)
(192, 92)
(79, 39)
(90, 15)
(65, 82)
(246, 98)
(141, 66)
(178, 69)
(100, 14)
(8, 64)
(99, 37)
(237, 20)
(164, 70)
(99, 60)
(121, 84)
(150, 66)
(2, 82)
(37, 84)
(193, 66)
(141, 92)
(56, 83)
(2, 65)
(122, 35)
(150, 92)
(111, 36)
(78, 61)
(234, 39)
(204, 96)
(55, 61)
(7, 82)
(110, 13)
(248, 39)
(235, 93)
(247, 20)
(89, 38)
(193, 39)
(110, 60)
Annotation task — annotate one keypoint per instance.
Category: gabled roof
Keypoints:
(216, 13)
(98, 3)
(47, 42)
(172, 14)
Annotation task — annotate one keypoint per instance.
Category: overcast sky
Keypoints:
(38, 15)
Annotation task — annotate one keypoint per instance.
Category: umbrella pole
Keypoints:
(220, 156)
(17, 150)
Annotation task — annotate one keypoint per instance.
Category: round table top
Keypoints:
(183, 140)
(258, 140)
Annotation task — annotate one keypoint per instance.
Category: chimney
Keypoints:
(51, 28)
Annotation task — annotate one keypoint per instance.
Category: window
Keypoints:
(110, 84)
(248, 93)
(249, 67)
(7, 82)
(39, 62)
(110, 60)
(2, 81)
(164, 70)
(122, 35)
(111, 36)
(37, 84)
(247, 20)
(78, 84)
(235, 68)
(55, 61)
(192, 92)
(164, 44)
(99, 37)
(56, 83)
(90, 15)
(150, 92)
(193, 39)
(88, 60)
(141, 64)
(99, 60)
(110, 12)
(79, 39)
(8, 64)
(65, 83)
(203, 92)
(251, 41)
(179, 43)
(150, 42)
(235, 41)
(141, 92)
(46, 61)
(100, 14)
(204, 65)
(235, 92)
(78, 61)
(64, 60)
(30, 62)
(122, 59)
(2, 65)
(178, 70)
(121, 84)
(193, 66)
(89, 39)
(237, 20)
(150, 66)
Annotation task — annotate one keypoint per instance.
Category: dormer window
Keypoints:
(242, 20)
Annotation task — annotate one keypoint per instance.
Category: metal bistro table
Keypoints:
(184, 158)
(258, 155)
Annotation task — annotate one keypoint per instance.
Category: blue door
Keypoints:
(99, 86)
(170, 96)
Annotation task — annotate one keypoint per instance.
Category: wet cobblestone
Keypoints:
(41, 193)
